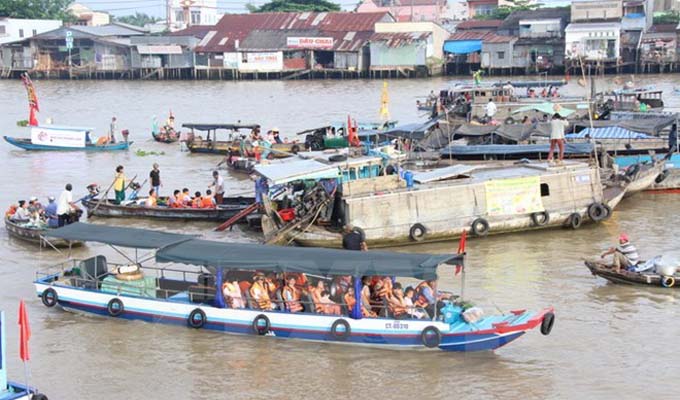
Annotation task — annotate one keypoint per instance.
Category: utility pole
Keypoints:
(167, 14)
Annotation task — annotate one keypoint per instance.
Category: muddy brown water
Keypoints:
(609, 341)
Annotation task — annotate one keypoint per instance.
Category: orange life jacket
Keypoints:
(385, 289)
(396, 306)
(350, 301)
(263, 301)
(316, 298)
(206, 202)
(293, 305)
(420, 300)
(11, 210)
(196, 202)
(230, 288)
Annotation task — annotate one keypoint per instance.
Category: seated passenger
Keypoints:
(383, 289)
(196, 201)
(21, 214)
(328, 306)
(173, 200)
(315, 293)
(208, 201)
(271, 283)
(410, 308)
(291, 296)
(186, 198)
(152, 201)
(260, 294)
(232, 294)
(427, 298)
(349, 299)
(396, 304)
(366, 298)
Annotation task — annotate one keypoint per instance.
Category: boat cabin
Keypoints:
(631, 99)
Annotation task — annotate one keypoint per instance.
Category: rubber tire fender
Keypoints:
(662, 176)
(413, 232)
(192, 318)
(547, 323)
(49, 297)
(536, 218)
(259, 330)
(39, 396)
(574, 221)
(115, 312)
(476, 230)
(360, 232)
(597, 212)
(344, 335)
(337, 157)
(608, 211)
(295, 149)
(427, 332)
(632, 170)
(667, 281)
(509, 121)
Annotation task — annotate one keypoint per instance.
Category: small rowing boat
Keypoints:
(609, 273)
(164, 138)
(230, 206)
(35, 234)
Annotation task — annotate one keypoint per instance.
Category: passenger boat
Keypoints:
(183, 293)
(629, 99)
(12, 390)
(233, 143)
(609, 273)
(135, 209)
(393, 210)
(35, 235)
(59, 138)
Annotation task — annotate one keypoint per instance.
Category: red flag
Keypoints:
(24, 332)
(32, 120)
(461, 250)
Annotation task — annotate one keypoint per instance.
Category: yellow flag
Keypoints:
(384, 103)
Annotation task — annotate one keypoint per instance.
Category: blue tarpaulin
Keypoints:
(610, 132)
(511, 149)
(462, 46)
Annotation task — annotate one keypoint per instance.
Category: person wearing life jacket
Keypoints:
(349, 299)
(232, 294)
(185, 197)
(383, 289)
(291, 296)
(259, 293)
(366, 297)
(428, 298)
(315, 292)
(175, 201)
(207, 201)
(396, 304)
(11, 210)
(196, 201)
(152, 200)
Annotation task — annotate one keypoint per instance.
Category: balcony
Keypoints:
(539, 35)
(634, 22)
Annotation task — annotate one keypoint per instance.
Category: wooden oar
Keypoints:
(105, 196)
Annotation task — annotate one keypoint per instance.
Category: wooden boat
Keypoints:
(195, 298)
(608, 272)
(229, 207)
(164, 139)
(232, 144)
(35, 235)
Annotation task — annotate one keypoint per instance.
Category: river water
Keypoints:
(609, 341)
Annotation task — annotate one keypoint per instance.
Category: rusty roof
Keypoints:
(233, 28)
(197, 31)
(397, 39)
(470, 35)
(662, 28)
(409, 3)
(493, 38)
(479, 24)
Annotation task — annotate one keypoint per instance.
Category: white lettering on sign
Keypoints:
(310, 42)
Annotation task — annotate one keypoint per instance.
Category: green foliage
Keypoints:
(144, 153)
(670, 17)
(139, 19)
(36, 9)
(22, 123)
(295, 6)
(502, 12)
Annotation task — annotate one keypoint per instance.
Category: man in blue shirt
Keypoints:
(51, 213)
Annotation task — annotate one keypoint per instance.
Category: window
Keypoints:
(21, 33)
(35, 32)
(500, 55)
(195, 18)
(179, 16)
(545, 190)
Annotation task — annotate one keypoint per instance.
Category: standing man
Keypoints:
(119, 184)
(557, 126)
(491, 110)
(155, 177)
(112, 130)
(218, 184)
(65, 206)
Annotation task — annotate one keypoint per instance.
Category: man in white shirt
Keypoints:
(491, 109)
(21, 214)
(218, 183)
(65, 206)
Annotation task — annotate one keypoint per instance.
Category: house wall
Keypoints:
(585, 10)
(271, 61)
(403, 56)
(109, 58)
(347, 60)
(439, 34)
(205, 12)
(497, 55)
(12, 29)
(407, 13)
(592, 44)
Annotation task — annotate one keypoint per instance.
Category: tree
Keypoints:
(502, 12)
(36, 9)
(670, 17)
(295, 6)
(139, 19)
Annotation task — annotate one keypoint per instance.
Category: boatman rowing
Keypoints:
(625, 254)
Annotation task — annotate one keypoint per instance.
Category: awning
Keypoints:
(307, 260)
(159, 49)
(546, 108)
(116, 236)
(444, 173)
(415, 131)
(292, 170)
(611, 132)
(462, 46)
(512, 149)
(212, 127)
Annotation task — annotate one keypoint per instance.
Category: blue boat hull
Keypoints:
(27, 145)
(627, 161)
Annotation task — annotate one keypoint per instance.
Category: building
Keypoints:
(87, 17)
(463, 50)
(14, 29)
(658, 48)
(407, 10)
(163, 55)
(184, 13)
(285, 43)
(479, 25)
(497, 53)
(458, 10)
(479, 8)
(597, 41)
(596, 10)
(408, 48)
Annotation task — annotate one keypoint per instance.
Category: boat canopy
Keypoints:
(246, 256)
(117, 236)
(610, 132)
(546, 108)
(511, 149)
(212, 127)
(514, 132)
(414, 131)
(440, 174)
(284, 172)
(652, 125)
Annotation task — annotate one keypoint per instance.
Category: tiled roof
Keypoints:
(479, 24)
(498, 39)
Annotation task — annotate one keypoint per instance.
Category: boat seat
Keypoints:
(93, 270)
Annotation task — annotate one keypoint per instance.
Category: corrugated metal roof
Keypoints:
(397, 39)
(662, 28)
(107, 30)
(272, 40)
(479, 24)
(499, 39)
(236, 27)
(198, 31)
(472, 35)
(511, 22)
(159, 49)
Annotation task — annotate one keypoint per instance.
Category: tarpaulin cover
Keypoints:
(611, 132)
(124, 237)
(292, 170)
(516, 132)
(444, 173)
(649, 126)
(509, 149)
(317, 261)
(414, 131)
(462, 46)
(546, 108)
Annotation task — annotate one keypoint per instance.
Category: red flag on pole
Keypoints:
(461, 250)
(24, 332)
(33, 106)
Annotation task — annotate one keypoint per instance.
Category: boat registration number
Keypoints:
(396, 325)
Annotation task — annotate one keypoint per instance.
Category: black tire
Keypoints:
(597, 212)
(547, 323)
(49, 297)
(360, 232)
(257, 328)
(195, 322)
(662, 176)
(295, 149)
(425, 337)
(608, 211)
(509, 121)
(480, 227)
(667, 281)
(115, 307)
(343, 335)
(632, 170)
(417, 232)
(337, 158)
(39, 396)
(540, 218)
(574, 221)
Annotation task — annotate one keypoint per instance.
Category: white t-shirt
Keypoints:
(219, 185)
(557, 128)
(491, 109)
(63, 205)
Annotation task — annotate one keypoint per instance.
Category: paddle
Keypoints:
(105, 196)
